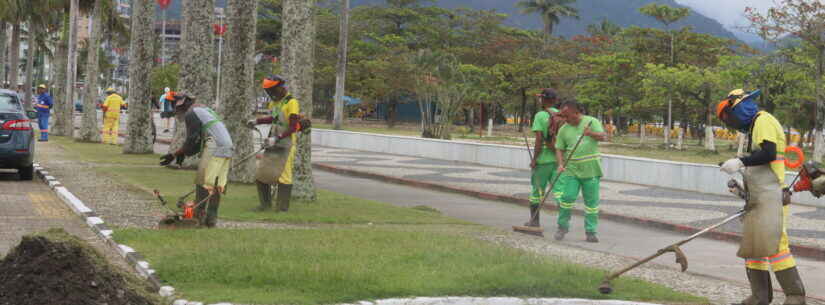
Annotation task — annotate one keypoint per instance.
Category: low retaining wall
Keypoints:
(693, 177)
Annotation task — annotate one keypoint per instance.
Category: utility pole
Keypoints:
(340, 80)
(220, 29)
(164, 4)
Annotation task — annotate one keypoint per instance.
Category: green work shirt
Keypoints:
(541, 122)
(586, 162)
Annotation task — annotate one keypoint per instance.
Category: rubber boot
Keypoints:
(200, 211)
(591, 237)
(212, 210)
(284, 194)
(264, 195)
(560, 234)
(43, 137)
(761, 288)
(533, 221)
(792, 286)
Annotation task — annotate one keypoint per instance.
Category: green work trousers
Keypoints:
(542, 175)
(570, 186)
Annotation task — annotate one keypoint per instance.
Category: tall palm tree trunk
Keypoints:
(14, 56)
(139, 137)
(196, 56)
(62, 124)
(238, 95)
(341, 78)
(30, 54)
(3, 52)
(298, 63)
(90, 130)
(71, 69)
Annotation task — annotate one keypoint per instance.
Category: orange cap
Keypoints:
(268, 83)
(170, 96)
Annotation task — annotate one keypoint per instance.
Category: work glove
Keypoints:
(166, 159)
(251, 123)
(732, 166)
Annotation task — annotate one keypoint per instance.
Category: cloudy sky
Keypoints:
(728, 12)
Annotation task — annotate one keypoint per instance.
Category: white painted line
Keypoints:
(180, 302)
(124, 249)
(106, 233)
(166, 291)
(49, 178)
(143, 264)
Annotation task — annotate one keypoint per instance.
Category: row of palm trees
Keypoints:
(50, 26)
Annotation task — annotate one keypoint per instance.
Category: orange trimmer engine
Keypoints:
(811, 179)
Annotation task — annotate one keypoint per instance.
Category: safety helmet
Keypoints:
(110, 90)
(166, 90)
(42, 86)
(738, 109)
(548, 93)
(273, 81)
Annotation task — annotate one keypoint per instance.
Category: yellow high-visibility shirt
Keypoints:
(767, 128)
(113, 104)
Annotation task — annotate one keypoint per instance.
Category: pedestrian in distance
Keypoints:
(583, 171)
(764, 244)
(111, 116)
(43, 106)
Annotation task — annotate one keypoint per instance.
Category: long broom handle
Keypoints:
(527, 144)
(567, 159)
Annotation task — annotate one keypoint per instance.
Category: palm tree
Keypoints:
(604, 28)
(298, 62)
(550, 11)
(341, 79)
(12, 11)
(139, 134)
(239, 92)
(89, 129)
(196, 54)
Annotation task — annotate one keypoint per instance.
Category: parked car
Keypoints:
(16, 135)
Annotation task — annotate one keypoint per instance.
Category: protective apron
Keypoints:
(206, 154)
(762, 225)
(274, 159)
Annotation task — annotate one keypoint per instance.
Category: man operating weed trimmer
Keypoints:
(206, 136)
(764, 243)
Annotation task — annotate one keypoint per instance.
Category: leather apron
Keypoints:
(272, 164)
(207, 153)
(762, 225)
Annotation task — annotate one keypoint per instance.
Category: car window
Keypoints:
(9, 103)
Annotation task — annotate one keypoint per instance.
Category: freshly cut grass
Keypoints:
(327, 266)
(237, 204)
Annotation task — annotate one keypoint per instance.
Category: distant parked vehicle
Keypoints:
(16, 135)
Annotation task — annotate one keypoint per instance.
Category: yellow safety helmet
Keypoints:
(110, 90)
(42, 86)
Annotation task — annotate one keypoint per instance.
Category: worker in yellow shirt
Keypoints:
(764, 245)
(111, 116)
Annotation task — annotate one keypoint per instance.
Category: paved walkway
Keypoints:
(28, 207)
(807, 224)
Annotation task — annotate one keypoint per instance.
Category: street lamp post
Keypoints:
(164, 4)
(220, 29)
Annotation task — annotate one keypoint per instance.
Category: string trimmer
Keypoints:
(734, 187)
(539, 231)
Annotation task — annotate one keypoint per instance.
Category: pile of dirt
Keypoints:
(56, 268)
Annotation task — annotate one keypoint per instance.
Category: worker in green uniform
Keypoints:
(543, 164)
(583, 171)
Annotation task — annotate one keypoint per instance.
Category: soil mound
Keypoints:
(57, 268)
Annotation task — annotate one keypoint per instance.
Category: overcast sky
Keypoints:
(728, 12)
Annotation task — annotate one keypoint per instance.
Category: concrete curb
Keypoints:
(99, 227)
(800, 250)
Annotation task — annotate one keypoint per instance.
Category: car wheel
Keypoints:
(26, 173)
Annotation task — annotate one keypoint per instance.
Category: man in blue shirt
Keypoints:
(43, 107)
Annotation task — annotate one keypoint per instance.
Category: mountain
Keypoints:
(622, 12)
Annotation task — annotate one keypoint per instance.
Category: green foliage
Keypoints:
(162, 77)
(664, 13)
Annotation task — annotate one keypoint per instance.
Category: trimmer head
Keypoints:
(605, 288)
(535, 231)
(173, 222)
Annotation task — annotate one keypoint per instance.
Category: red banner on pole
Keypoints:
(164, 4)
(219, 29)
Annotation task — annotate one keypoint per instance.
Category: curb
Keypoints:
(800, 250)
(99, 227)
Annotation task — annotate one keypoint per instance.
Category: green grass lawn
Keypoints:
(325, 266)
(102, 153)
